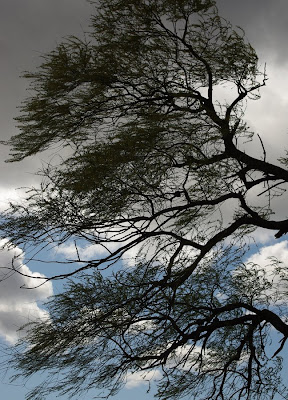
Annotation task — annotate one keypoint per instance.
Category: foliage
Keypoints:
(155, 164)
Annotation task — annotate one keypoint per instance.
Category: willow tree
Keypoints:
(156, 166)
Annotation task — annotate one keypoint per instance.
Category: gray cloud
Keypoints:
(27, 30)
(265, 23)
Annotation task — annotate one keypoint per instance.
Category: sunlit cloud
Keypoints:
(19, 294)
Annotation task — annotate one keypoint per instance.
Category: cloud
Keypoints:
(72, 251)
(8, 195)
(18, 295)
(87, 252)
(264, 23)
(141, 378)
(278, 250)
(271, 264)
(262, 236)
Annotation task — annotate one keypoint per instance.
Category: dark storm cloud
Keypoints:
(29, 28)
(265, 23)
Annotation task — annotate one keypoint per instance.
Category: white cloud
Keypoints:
(97, 251)
(268, 116)
(267, 262)
(278, 250)
(141, 378)
(8, 195)
(86, 252)
(19, 294)
(262, 236)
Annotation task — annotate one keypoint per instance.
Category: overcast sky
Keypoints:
(29, 28)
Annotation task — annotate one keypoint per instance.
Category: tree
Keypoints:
(155, 162)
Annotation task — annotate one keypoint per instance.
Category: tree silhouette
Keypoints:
(155, 165)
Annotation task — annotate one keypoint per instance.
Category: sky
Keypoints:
(30, 28)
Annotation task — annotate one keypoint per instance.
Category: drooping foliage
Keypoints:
(154, 165)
